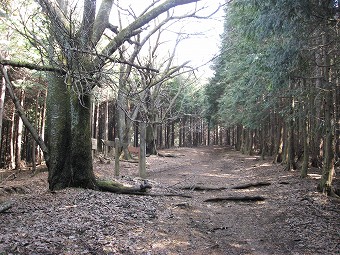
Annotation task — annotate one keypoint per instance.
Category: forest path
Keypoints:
(292, 218)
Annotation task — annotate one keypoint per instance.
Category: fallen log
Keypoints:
(116, 187)
(5, 206)
(142, 190)
(235, 199)
(166, 155)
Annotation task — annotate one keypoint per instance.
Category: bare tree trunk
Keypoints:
(150, 140)
(142, 151)
(12, 142)
(19, 130)
(34, 154)
(290, 147)
(337, 116)
(172, 144)
(106, 124)
(325, 184)
(42, 127)
(304, 169)
(209, 130)
(180, 131)
(305, 132)
(279, 141)
(2, 102)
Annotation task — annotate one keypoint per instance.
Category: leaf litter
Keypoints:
(293, 219)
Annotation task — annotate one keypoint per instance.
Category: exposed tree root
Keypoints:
(252, 185)
(244, 186)
(202, 188)
(235, 199)
(284, 183)
(168, 195)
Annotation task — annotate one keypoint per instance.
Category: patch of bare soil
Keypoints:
(239, 205)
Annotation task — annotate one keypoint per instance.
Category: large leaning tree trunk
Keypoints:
(68, 105)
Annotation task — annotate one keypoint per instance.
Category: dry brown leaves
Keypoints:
(293, 218)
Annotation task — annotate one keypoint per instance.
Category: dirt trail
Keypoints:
(291, 219)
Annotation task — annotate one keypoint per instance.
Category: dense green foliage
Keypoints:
(275, 77)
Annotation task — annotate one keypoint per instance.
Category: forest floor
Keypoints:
(238, 204)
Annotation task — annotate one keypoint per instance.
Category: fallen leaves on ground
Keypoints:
(293, 219)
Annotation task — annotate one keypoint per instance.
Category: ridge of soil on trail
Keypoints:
(292, 218)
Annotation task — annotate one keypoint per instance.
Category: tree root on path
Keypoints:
(202, 188)
(252, 185)
(235, 199)
(244, 186)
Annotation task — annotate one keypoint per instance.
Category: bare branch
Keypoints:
(126, 33)
(31, 66)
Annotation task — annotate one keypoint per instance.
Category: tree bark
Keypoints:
(58, 133)
(81, 145)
